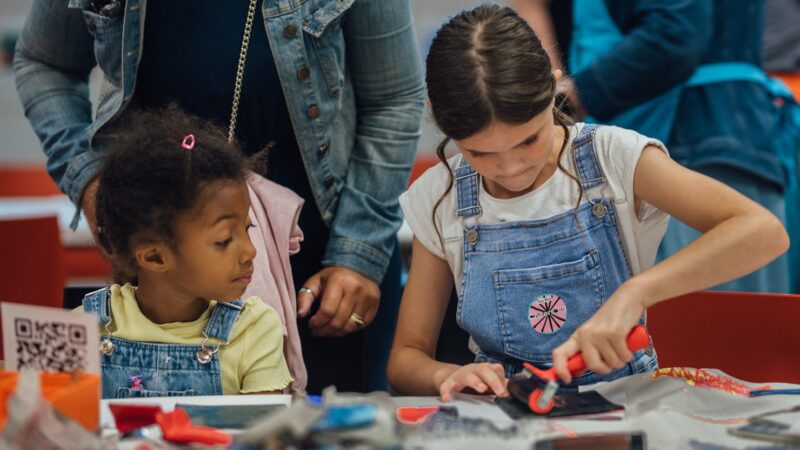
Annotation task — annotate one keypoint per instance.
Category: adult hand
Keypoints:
(483, 378)
(88, 204)
(344, 295)
(602, 339)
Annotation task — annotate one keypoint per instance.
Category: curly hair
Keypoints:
(148, 180)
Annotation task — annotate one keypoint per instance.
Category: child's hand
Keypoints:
(483, 378)
(602, 339)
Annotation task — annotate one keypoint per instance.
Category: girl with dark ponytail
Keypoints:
(548, 229)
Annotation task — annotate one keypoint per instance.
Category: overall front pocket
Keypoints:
(539, 308)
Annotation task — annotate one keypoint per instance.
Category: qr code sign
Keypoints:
(49, 339)
(50, 346)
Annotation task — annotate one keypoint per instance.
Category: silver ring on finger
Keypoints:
(307, 290)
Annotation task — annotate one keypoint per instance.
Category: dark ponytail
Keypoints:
(486, 64)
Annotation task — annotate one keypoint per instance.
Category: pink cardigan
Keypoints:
(274, 210)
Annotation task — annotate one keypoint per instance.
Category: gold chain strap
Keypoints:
(237, 89)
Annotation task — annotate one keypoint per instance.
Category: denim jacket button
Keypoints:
(303, 73)
(323, 149)
(329, 181)
(290, 31)
(313, 112)
(91, 25)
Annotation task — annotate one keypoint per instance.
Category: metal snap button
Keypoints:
(290, 30)
(472, 237)
(313, 112)
(106, 347)
(599, 210)
(303, 73)
(204, 355)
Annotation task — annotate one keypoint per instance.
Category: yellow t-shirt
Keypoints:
(252, 361)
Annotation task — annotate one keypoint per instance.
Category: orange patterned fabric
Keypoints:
(705, 379)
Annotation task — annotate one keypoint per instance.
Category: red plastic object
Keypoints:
(413, 414)
(533, 403)
(176, 427)
(637, 339)
(132, 417)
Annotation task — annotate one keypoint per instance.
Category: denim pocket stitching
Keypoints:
(590, 262)
(549, 272)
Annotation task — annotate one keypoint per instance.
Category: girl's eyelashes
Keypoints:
(530, 141)
(223, 244)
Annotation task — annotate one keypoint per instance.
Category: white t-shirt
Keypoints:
(618, 151)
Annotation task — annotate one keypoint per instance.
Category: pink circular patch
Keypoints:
(547, 313)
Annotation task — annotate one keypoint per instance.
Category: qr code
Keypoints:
(50, 346)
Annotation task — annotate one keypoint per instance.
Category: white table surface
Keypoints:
(671, 414)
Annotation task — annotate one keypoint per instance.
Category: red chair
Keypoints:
(753, 337)
(26, 181)
(33, 181)
(422, 163)
(32, 264)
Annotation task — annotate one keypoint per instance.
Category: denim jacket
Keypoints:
(356, 117)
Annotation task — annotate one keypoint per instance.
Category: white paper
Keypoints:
(49, 339)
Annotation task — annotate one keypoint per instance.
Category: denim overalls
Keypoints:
(528, 285)
(142, 369)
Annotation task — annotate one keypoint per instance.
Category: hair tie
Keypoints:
(188, 142)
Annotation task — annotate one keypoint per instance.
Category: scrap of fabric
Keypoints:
(704, 379)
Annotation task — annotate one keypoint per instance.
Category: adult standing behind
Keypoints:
(333, 86)
(686, 72)
(781, 58)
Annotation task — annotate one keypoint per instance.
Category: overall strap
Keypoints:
(467, 184)
(222, 320)
(589, 171)
(98, 303)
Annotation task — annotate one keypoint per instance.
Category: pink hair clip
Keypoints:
(188, 142)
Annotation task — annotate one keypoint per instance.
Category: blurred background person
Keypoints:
(687, 72)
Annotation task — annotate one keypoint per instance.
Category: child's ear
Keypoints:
(153, 256)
